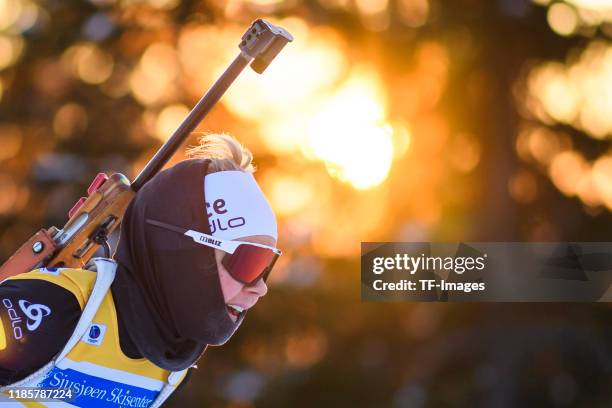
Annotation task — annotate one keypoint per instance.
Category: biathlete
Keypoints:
(196, 246)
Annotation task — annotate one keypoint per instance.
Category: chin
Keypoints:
(222, 338)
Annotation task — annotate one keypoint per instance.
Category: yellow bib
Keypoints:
(95, 369)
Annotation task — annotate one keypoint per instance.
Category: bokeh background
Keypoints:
(385, 120)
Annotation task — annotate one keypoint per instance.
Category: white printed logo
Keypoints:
(34, 312)
(95, 334)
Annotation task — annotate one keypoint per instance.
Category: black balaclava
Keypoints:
(167, 289)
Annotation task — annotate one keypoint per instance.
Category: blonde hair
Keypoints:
(224, 152)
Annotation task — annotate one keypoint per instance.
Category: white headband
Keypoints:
(236, 206)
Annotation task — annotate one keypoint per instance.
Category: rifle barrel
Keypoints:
(197, 114)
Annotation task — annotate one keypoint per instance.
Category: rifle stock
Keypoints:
(101, 212)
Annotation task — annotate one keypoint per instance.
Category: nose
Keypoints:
(259, 288)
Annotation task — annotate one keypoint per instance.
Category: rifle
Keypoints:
(94, 217)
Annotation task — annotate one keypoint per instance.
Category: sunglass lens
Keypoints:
(248, 263)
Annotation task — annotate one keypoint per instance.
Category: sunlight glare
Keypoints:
(350, 135)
